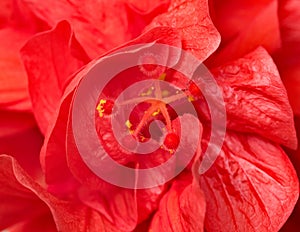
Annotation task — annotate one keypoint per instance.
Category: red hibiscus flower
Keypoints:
(280, 36)
(251, 186)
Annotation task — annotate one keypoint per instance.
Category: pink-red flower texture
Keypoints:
(251, 47)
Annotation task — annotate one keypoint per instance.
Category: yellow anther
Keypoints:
(143, 138)
(156, 113)
(128, 124)
(100, 108)
(191, 99)
(162, 77)
(165, 93)
(148, 93)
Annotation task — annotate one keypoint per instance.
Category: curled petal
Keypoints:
(181, 209)
(255, 98)
(25, 198)
(45, 57)
(98, 25)
(252, 186)
(244, 25)
(14, 93)
(191, 21)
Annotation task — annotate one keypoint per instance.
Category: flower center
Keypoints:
(148, 110)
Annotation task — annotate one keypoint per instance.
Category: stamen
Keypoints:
(148, 93)
(166, 115)
(105, 107)
(156, 113)
(162, 77)
(144, 120)
(191, 98)
(129, 126)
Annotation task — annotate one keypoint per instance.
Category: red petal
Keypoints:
(18, 202)
(13, 82)
(43, 222)
(191, 21)
(288, 59)
(181, 209)
(255, 98)
(45, 57)
(53, 154)
(144, 6)
(244, 25)
(20, 138)
(5, 11)
(252, 186)
(17, 25)
(94, 192)
(99, 26)
(15, 122)
(124, 207)
(20, 191)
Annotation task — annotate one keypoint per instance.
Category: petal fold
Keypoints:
(255, 98)
(45, 57)
(192, 22)
(181, 209)
(99, 25)
(252, 186)
(244, 25)
(30, 198)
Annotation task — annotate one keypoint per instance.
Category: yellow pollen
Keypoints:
(162, 77)
(142, 138)
(128, 124)
(156, 113)
(191, 99)
(100, 107)
(171, 151)
(165, 93)
(148, 93)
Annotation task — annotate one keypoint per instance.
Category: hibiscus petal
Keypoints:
(255, 98)
(123, 207)
(13, 82)
(145, 6)
(18, 203)
(94, 192)
(181, 209)
(192, 22)
(20, 190)
(99, 26)
(53, 153)
(252, 186)
(288, 59)
(12, 122)
(5, 11)
(45, 57)
(17, 25)
(43, 222)
(20, 138)
(244, 25)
